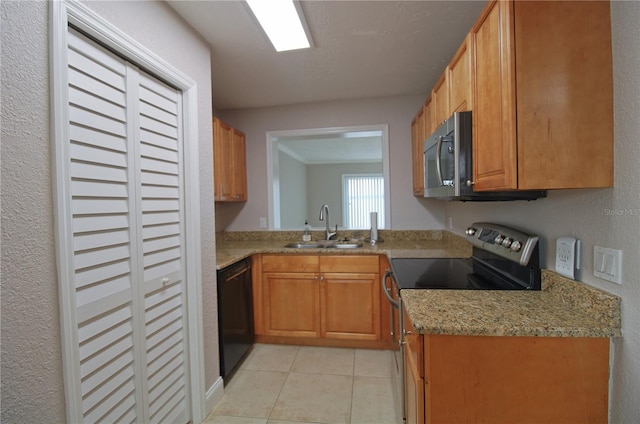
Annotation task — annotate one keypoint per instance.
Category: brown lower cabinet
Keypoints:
(492, 379)
(328, 297)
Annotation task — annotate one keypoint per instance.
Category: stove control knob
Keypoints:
(470, 231)
(516, 246)
(499, 239)
(507, 242)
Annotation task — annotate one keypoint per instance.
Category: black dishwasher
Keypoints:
(235, 315)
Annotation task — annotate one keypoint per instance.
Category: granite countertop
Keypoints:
(234, 246)
(563, 308)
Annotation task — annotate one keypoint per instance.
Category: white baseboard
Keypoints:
(214, 395)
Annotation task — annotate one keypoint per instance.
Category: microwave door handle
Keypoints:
(438, 165)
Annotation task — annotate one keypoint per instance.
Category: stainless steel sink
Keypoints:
(303, 245)
(322, 244)
(346, 245)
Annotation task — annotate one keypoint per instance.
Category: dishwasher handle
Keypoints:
(387, 290)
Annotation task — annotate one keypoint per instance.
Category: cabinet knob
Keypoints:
(470, 183)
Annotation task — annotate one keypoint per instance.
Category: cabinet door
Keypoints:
(494, 131)
(564, 94)
(239, 167)
(291, 304)
(350, 297)
(459, 74)
(350, 304)
(229, 163)
(440, 99)
(414, 376)
(417, 159)
(516, 379)
(222, 150)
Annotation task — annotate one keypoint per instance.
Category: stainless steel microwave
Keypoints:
(448, 165)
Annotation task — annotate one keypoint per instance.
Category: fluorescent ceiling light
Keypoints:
(281, 22)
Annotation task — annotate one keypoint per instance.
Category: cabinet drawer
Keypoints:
(290, 263)
(349, 263)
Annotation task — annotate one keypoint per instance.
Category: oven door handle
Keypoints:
(386, 289)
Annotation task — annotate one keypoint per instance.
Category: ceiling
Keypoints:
(362, 49)
(341, 147)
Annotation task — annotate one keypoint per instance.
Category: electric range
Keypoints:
(503, 259)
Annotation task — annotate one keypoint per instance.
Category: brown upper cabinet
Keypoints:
(542, 96)
(421, 128)
(440, 100)
(417, 160)
(459, 76)
(229, 163)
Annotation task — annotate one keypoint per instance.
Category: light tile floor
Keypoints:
(281, 384)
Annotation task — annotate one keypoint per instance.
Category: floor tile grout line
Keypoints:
(283, 384)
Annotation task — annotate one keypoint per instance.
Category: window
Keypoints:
(362, 194)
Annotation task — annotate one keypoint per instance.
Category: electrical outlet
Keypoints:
(263, 222)
(567, 256)
(607, 264)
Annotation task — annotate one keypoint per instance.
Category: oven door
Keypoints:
(392, 293)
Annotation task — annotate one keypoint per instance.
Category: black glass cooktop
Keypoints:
(449, 273)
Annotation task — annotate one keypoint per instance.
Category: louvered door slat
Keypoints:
(164, 167)
(91, 137)
(154, 151)
(153, 112)
(100, 240)
(159, 192)
(85, 100)
(112, 92)
(105, 275)
(158, 127)
(82, 224)
(93, 308)
(88, 171)
(84, 153)
(159, 95)
(159, 140)
(154, 231)
(160, 218)
(101, 123)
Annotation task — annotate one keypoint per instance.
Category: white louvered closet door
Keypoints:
(127, 279)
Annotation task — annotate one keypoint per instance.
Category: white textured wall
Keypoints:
(407, 212)
(606, 217)
(32, 386)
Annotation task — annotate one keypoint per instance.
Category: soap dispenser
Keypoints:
(306, 232)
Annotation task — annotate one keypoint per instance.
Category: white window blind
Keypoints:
(362, 194)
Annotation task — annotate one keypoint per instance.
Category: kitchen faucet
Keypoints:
(324, 210)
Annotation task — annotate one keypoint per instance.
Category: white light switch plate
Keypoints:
(607, 264)
(567, 256)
